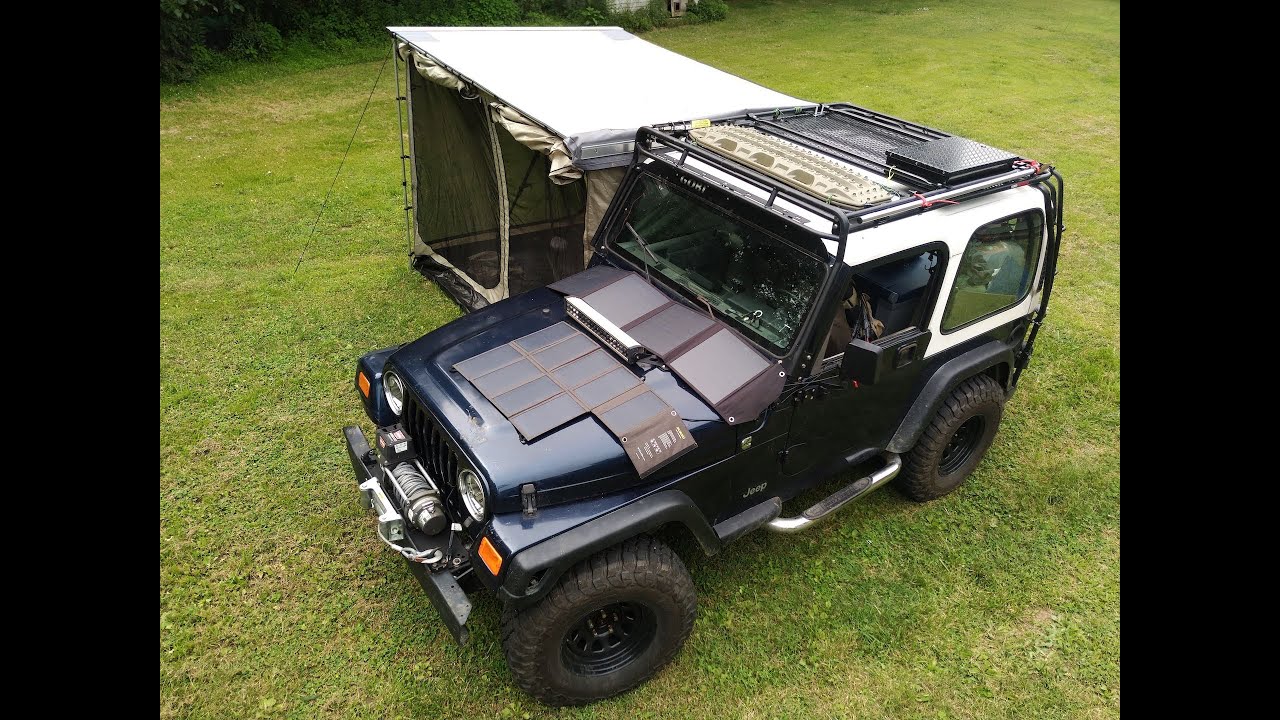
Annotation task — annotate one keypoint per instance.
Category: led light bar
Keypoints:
(606, 332)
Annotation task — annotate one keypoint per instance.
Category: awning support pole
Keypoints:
(504, 209)
(404, 174)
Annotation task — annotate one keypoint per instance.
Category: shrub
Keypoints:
(493, 12)
(256, 41)
(181, 32)
(589, 16)
(199, 35)
(709, 10)
(633, 21)
(659, 13)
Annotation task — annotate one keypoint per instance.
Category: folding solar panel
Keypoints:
(556, 375)
(733, 376)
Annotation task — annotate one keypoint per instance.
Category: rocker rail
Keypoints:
(829, 505)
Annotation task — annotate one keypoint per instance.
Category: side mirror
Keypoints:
(861, 362)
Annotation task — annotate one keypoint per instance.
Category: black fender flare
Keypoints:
(950, 374)
(534, 571)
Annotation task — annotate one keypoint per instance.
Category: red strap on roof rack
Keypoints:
(1033, 164)
(925, 202)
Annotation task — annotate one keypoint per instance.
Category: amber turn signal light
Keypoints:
(363, 382)
(489, 554)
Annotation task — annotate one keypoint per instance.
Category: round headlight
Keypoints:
(393, 388)
(472, 490)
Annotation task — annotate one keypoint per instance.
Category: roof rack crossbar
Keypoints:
(849, 155)
(919, 132)
(761, 181)
(925, 200)
(840, 219)
(815, 144)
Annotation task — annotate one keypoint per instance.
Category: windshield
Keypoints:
(761, 283)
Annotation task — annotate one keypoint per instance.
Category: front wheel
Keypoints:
(955, 441)
(608, 625)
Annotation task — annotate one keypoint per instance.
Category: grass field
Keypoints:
(276, 600)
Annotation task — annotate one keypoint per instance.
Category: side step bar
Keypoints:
(840, 498)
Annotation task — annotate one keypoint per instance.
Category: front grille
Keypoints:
(433, 446)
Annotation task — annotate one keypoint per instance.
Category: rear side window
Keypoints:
(996, 269)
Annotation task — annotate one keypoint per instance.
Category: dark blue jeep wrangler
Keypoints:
(766, 306)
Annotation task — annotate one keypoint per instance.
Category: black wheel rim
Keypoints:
(961, 445)
(609, 638)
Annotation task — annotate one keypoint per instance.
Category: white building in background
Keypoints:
(677, 7)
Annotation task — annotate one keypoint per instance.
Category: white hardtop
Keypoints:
(949, 224)
(592, 86)
(953, 224)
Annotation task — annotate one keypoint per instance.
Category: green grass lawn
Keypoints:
(276, 599)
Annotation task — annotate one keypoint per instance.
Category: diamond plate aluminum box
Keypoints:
(951, 160)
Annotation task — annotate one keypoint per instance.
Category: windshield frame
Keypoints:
(705, 191)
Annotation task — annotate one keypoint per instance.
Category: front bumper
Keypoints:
(442, 587)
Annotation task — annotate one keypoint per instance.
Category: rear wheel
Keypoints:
(955, 441)
(608, 625)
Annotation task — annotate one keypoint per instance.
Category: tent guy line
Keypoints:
(346, 152)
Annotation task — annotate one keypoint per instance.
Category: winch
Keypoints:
(419, 496)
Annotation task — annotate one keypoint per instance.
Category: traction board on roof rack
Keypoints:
(800, 168)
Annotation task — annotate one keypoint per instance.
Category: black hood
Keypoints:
(578, 460)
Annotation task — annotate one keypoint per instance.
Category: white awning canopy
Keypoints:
(594, 87)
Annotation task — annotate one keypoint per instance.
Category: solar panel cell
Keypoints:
(562, 352)
(544, 337)
(626, 300)
(550, 415)
(506, 378)
(532, 394)
(487, 362)
(670, 329)
(606, 387)
(526, 396)
(720, 365)
(585, 368)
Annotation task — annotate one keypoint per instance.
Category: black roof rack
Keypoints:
(942, 167)
(909, 153)
(855, 135)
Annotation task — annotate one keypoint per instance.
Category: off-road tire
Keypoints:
(932, 468)
(640, 572)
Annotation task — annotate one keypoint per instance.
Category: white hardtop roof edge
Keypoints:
(873, 243)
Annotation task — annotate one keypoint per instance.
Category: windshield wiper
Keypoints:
(644, 244)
